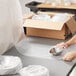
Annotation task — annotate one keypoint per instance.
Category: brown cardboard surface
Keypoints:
(46, 33)
(72, 6)
(71, 25)
(43, 24)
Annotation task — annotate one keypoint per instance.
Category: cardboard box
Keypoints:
(49, 29)
(72, 6)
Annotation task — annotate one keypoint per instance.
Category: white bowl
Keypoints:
(60, 17)
(10, 65)
(41, 17)
(34, 70)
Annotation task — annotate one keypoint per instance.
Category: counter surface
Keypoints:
(38, 54)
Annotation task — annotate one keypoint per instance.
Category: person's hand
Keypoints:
(69, 56)
(62, 45)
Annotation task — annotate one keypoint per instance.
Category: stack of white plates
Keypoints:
(10, 65)
(34, 70)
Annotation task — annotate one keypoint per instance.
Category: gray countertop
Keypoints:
(35, 51)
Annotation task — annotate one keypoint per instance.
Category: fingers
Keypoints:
(68, 59)
(62, 45)
(69, 56)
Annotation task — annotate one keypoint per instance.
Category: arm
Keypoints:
(70, 55)
(72, 41)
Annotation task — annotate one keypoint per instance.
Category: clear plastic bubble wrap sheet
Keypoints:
(10, 24)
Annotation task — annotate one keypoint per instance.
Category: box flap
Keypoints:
(71, 25)
(43, 24)
(26, 16)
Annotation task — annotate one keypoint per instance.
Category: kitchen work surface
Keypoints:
(35, 51)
